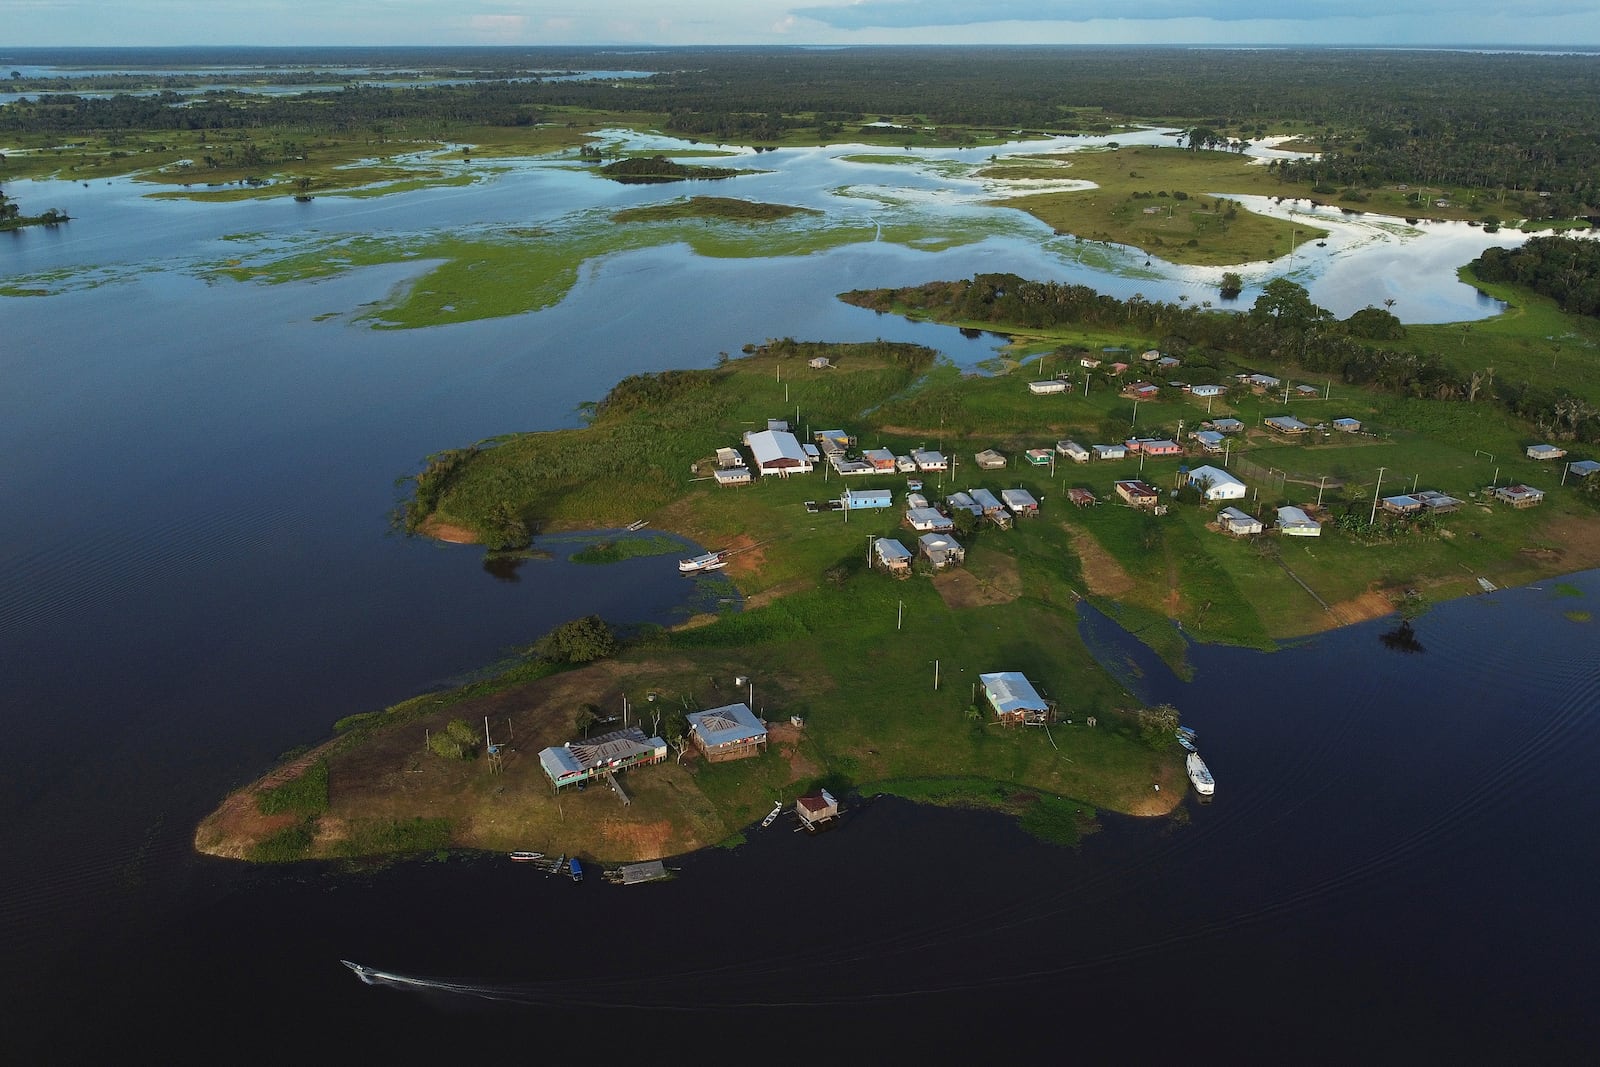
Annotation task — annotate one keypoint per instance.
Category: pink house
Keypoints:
(1154, 446)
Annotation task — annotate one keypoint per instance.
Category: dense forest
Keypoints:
(1563, 268)
(1283, 328)
(1518, 128)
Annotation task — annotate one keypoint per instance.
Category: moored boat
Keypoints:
(1200, 775)
(773, 814)
(710, 561)
(576, 869)
(1186, 742)
(526, 857)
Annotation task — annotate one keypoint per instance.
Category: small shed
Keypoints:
(1347, 425)
(818, 363)
(1110, 451)
(1520, 496)
(727, 733)
(1294, 522)
(1236, 523)
(929, 520)
(990, 460)
(859, 499)
(1045, 388)
(1138, 494)
(929, 460)
(941, 550)
(1020, 502)
(1014, 698)
(1215, 483)
(1073, 451)
(891, 555)
(1544, 452)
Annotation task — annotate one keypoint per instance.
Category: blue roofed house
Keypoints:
(727, 733)
(579, 761)
(1014, 698)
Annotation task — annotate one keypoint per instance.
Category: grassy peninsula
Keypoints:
(853, 653)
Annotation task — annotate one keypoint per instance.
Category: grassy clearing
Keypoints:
(627, 548)
(1165, 201)
(711, 207)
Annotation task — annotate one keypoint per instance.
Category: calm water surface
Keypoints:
(196, 574)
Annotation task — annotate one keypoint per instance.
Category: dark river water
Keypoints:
(196, 574)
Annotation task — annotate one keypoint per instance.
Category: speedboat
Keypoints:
(1200, 775)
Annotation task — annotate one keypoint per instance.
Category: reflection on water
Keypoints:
(1401, 639)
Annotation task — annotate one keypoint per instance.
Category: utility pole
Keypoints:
(1321, 482)
(935, 676)
(1374, 516)
(900, 616)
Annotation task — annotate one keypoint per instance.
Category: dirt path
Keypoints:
(1102, 574)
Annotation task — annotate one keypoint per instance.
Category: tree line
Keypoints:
(1563, 268)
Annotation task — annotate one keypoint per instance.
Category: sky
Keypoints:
(1481, 23)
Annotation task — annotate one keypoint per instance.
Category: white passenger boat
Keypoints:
(709, 562)
(1200, 775)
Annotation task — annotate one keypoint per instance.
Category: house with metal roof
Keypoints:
(1080, 496)
(1215, 483)
(579, 761)
(1073, 451)
(815, 809)
(941, 550)
(1209, 440)
(1204, 391)
(1236, 523)
(929, 519)
(777, 452)
(881, 458)
(732, 475)
(1138, 494)
(1347, 425)
(1228, 425)
(727, 733)
(859, 499)
(1520, 496)
(1045, 388)
(1154, 446)
(890, 555)
(990, 460)
(1014, 699)
(1020, 502)
(1583, 468)
(1404, 504)
(1040, 457)
(730, 457)
(1287, 424)
(986, 501)
(1141, 390)
(916, 500)
(1546, 452)
(929, 460)
(959, 501)
(1260, 383)
(1437, 503)
(1110, 451)
(1294, 522)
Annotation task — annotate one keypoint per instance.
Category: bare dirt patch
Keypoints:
(439, 530)
(1373, 604)
(238, 824)
(1101, 572)
(786, 738)
(992, 579)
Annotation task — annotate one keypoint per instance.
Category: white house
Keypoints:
(1217, 484)
(1545, 452)
(929, 460)
(1293, 522)
(1073, 450)
(928, 519)
(1204, 391)
(1235, 522)
(1045, 388)
(1110, 451)
(777, 452)
(1020, 501)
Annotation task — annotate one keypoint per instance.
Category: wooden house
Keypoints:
(1236, 523)
(1546, 452)
(1014, 698)
(1110, 451)
(1287, 424)
(1083, 498)
(881, 459)
(1403, 504)
(890, 555)
(817, 808)
(990, 460)
(1073, 451)
(733, 475)
(1137, 494)
(1347, 425)
(862, 499)
(727, 733)
(595, 757)
(959, 501)
(1019, 502)
(1520, 496)
(1228, 425)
